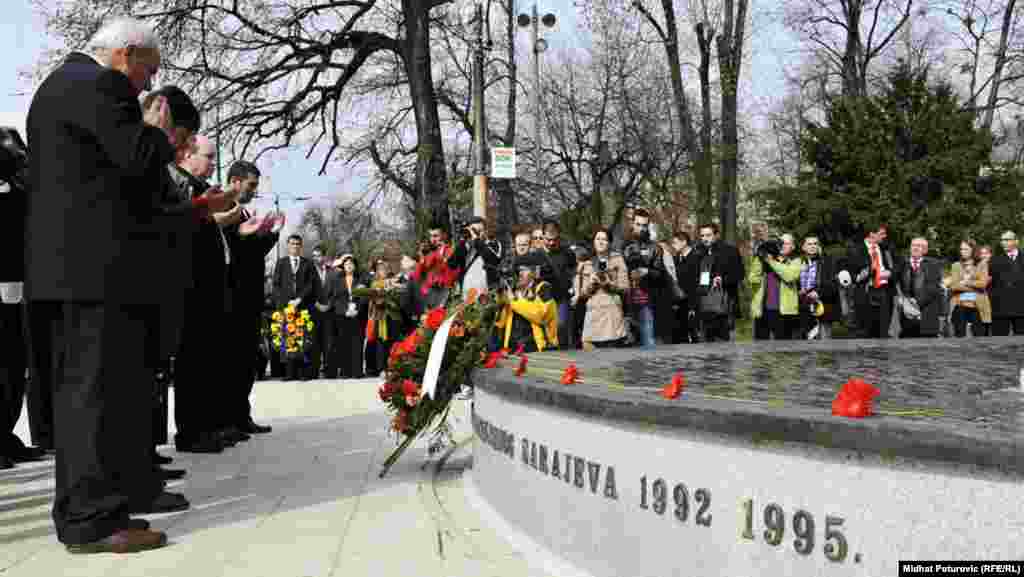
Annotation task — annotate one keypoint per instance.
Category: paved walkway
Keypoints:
(303, 501)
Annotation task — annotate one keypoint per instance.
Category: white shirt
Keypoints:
(295, 264)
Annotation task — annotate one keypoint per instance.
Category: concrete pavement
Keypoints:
(303, 501)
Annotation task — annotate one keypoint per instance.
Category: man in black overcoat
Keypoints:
(294, 283)
(94, 214)
(1007, 290)
(869, 268)
(251, 240)
(920, 278)
(13, 166)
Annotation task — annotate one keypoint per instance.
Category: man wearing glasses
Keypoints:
(1007, 272)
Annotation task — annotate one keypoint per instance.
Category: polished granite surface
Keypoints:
(951, 397)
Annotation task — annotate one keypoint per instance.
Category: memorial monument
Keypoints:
(747, 472)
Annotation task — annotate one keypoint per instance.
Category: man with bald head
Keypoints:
(94, 223)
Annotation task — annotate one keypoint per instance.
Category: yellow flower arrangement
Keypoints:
(292, 331)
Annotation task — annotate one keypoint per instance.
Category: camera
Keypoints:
(769, 248)
(602, 265)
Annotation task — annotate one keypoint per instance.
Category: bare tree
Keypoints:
(849, 34)
(284, 73)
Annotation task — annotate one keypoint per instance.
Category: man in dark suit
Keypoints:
(719, 266)
(13, 165)
(251, 240)
(920, 278)
(1007, 272)
(869, 268)
(295, 284)
(323, 318)
(93, 219)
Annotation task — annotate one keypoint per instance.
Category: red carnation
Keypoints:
(385, 391)
(571, 375)
(519, 350)
(435, 317)
(521, 369)
(492, 360)
(855, 399)
(674, 388)
(409, 387)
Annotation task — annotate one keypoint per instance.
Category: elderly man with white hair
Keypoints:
(93, 223)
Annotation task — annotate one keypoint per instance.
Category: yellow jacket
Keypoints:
(542, 314)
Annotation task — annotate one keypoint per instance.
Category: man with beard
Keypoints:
(93, 225)
(251, 238)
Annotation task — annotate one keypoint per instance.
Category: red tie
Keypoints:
(876, 265)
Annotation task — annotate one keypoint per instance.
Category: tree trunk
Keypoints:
(1000, 61)
(853, 84)
(730, 58)
(698, 157)
(705, 161)
(431, 184)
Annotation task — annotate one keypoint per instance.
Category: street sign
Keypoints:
(503, 162)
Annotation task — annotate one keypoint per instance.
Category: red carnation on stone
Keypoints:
(571, 375)
(521, 369)
(519, 350)
(493, 358)
(674, 388)
(855, 399)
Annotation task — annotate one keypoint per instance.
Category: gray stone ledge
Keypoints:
(982, 424)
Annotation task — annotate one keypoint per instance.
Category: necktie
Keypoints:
(915, 263)
(295, 265)
(876, 266)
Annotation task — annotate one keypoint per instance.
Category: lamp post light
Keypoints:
(537, 45)
(479, 129)
(277, 210)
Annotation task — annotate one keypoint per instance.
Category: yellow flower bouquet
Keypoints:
(291, 331)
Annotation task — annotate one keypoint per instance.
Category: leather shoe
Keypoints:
(203, 444)
(161, 460)
(25, 454)
(169, 474)
(164, 503)
(6, 463)
(123, 541)
(236, 435)
(253, 429)
(225, 439)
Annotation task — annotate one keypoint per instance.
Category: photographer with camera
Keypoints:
(600, 286)
(530, 319)
(776, 303)
(477, 256)
(557, 269)
(644, 259)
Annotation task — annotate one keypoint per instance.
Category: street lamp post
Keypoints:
(277, 210)
(479, 129)
(537, 46)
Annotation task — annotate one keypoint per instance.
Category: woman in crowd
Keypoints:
(385, 330)
(600, 285)
(775, 306)
(984, 255)
(350, 321)
(819, 292)
(964, 283)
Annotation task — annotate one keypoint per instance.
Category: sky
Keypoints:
(23, 39)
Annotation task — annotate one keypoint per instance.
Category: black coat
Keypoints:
(94, 210)
(248, 258)
(1007, 290)
(864, 297)
(926, 287)
(338, 295)
(300, 285)
(827, 287)
(720, 259)
(12, 233)
(467, 251)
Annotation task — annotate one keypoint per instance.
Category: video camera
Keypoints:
(771, 248)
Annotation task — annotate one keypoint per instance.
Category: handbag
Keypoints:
(715, 302)
(907, 306)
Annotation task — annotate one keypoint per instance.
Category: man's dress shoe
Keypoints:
(253, 429)
(169, 474)
(204, 444)
(123, 541)
(163, 503)
(161, 460)
(6, 463)
(26, 454)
